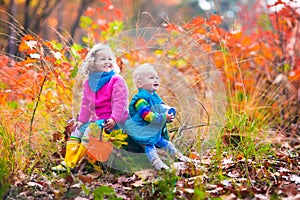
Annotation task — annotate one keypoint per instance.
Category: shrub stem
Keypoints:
(35, 108)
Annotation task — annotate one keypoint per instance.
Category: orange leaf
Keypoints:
(216, 19)
(194, 23)
(23, 47)
(171, 27)
(3, 98)
(18, 112)
(48, 44)
(194, 155)
(28, 37)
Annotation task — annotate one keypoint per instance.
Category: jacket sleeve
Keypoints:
(120, 101)
(85, 113)
(146, 114)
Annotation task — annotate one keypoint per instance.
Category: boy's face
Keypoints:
(150, 81)
(103, 61)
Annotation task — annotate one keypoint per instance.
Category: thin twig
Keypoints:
(35, 108)
(187, 127)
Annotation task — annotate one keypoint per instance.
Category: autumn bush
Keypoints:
(260, 74)
(36, 100)
(256, 65)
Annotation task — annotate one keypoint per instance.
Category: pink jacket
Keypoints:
(110, 101)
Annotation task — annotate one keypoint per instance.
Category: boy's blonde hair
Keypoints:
(86, 66)
(141, 71)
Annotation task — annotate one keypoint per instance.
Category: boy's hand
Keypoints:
(170, 117)
(109, 124)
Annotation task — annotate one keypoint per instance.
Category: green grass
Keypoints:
(7, 159)
(4, 175)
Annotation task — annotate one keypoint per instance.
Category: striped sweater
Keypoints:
(147, 118)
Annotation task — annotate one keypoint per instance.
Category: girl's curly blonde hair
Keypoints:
(86, 67)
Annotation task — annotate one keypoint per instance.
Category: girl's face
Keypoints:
(103, 61)
(150, 81)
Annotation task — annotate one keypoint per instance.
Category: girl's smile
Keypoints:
(103, 61)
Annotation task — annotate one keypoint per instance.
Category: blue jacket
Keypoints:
(141, 131)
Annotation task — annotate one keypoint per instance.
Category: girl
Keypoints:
(104, 102)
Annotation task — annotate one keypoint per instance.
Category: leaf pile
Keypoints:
(273, 177)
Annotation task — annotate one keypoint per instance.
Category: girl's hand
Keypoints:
(170, 117)
(109, 124)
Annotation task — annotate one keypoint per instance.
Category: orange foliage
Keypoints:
(261, 50)
(245, 56)
(25, 77)
(239, 55)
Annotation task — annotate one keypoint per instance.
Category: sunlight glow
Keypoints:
(204, 5)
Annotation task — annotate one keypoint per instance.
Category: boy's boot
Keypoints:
(171, 149)
(156, 162)
(159, 165)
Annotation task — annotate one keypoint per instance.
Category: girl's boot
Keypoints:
(81, 152)
(71, 157)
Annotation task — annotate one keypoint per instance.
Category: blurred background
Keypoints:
(51, 18)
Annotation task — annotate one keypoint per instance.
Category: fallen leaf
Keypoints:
(194, 155)
(34, 184)
(146, 174)
(85, 179)
(234, 174)
(261, 197)
(77, 185)
(295, 179)
(188, 190)
(230, 196)
(80, 198)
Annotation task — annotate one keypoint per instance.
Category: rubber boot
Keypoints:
(159, 165)
(72, 159)
(171, 149)
(72, 149)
